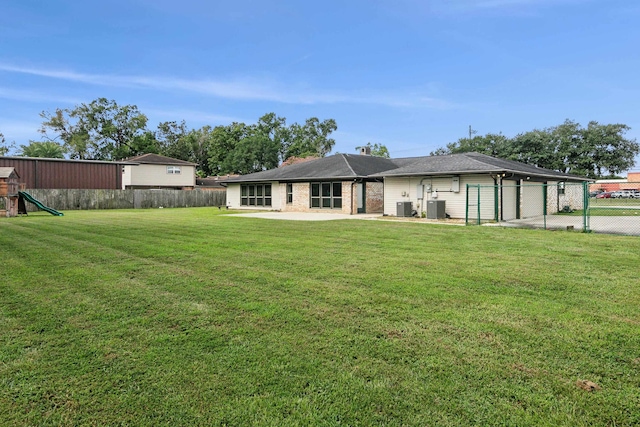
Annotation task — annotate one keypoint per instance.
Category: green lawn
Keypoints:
(191, 317)
(604, 211)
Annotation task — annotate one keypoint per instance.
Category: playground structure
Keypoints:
(13, 197)
(9, 189)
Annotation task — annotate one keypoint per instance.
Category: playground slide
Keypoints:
(30, 199)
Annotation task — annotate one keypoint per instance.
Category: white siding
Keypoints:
(509, 200)
(126, 176)
(157, 176)
(406, 189)
(532, 200)
(233, 196)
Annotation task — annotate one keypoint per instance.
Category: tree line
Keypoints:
(595, 151)
(104, 130)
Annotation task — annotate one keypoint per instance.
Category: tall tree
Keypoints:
(595, 151)
(45, 149)
(172, 140)
(253, 154)
(612, 152)
(100, 130)
(310, 139)
(224, 140)
(491, 144)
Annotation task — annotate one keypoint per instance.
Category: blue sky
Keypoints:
(410, 74)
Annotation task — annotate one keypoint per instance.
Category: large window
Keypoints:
(326, 195)
(255, 195)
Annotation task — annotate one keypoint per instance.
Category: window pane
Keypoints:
(326, 202)
(326, 189)
(259, 190)
(252, 190)
(267, 190)
(337, 203)
(337, 189)
(315, 202)
(259, 201)
(315, 190)
(252, 201)
(243, 190)
(244, 201)
(267, 201)
(289, 198)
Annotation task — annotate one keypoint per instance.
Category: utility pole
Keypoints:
(472, 132)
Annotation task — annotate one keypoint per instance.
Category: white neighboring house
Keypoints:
(156, 171)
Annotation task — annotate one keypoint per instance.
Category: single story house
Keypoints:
(351, 184)
(155, 171)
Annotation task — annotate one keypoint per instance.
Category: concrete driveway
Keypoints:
(305, 216)
(629, 225)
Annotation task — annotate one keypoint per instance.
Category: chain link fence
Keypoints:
(556, 206)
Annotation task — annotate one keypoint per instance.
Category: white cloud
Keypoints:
(469, 5)
(241, 89)
(34, 96)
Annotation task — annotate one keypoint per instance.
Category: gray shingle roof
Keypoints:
(338, 166)
(353, 166)
(157, 159)
(466, 163)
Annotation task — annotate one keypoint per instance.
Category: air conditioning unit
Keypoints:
(436, 209)
(403, 209)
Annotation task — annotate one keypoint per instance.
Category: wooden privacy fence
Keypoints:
(125, 199)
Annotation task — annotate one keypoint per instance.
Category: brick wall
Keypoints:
(301, 200)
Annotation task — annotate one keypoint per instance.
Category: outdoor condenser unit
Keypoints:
(436, 209)
(403, 209)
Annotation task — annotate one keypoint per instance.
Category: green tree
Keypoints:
(595, 151)
(100, 130)
(200, 141)
(45, 149)
(612, 152)
(224, 140)
(535, 147)
(377, 150)
(5, 147)
(490, 144)
(310, 139)
(253, 154)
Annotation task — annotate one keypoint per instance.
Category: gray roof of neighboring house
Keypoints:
(354, 166)
(157, 159)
